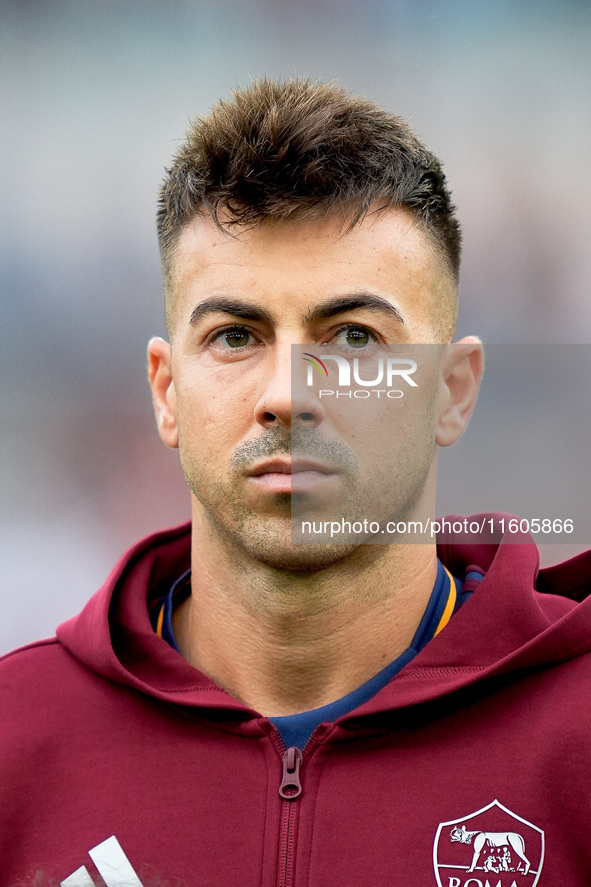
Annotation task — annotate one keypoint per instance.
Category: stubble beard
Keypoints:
(267, 538)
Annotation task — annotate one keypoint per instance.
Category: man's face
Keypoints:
(224, 393)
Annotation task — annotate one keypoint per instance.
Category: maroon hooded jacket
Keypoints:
(471, 768)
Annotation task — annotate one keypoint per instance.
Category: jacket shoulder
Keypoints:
(31, 675)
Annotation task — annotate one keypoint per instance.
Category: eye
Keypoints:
(353, 336)
(233, 338)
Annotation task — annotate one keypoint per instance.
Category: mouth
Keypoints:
(287, 476)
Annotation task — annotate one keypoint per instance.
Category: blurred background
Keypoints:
(95, 97)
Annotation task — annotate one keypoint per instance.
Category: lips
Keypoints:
(297, 466)
(286, 476)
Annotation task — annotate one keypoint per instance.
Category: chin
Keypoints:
(269, 542)
(300, 558)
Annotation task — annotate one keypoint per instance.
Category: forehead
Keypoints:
(290, 267)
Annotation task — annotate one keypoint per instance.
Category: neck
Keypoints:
(284, 642)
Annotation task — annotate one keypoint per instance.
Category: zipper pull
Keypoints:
(291, 786)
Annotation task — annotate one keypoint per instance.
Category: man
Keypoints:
(238, 707)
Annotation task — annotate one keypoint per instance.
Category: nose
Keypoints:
(285, 399)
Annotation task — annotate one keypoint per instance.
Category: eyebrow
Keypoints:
(353, 302)
(215, 304)
(331, 308)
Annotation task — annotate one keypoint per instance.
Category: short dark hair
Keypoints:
(298, 149)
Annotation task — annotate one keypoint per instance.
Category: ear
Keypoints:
(461, 372)
(163, 390)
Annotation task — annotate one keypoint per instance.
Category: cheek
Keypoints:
(388, 434)
(383, 422)
(215, 415)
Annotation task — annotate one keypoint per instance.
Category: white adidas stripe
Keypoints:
(80, 878)
(113, 865)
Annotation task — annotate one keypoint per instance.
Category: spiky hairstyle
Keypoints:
(298, 150)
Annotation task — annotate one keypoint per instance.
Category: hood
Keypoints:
(519, 618)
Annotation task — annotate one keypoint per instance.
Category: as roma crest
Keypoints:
(492, 847)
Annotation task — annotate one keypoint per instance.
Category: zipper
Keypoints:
(291, 787)
(289, 790)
